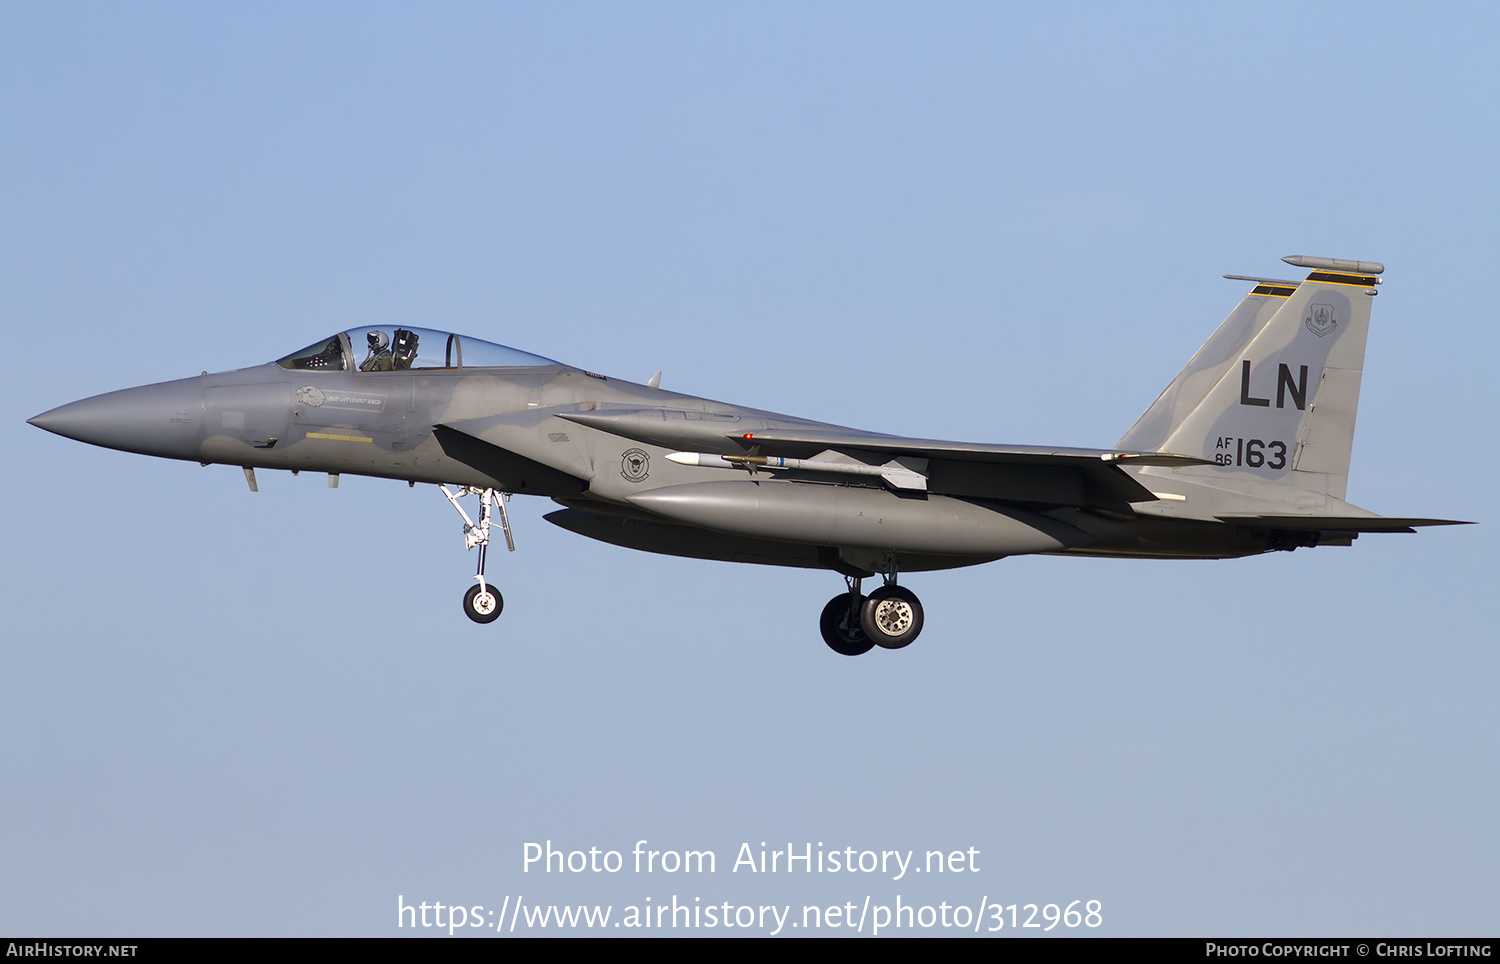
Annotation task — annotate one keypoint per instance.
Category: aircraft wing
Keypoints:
(1008, 473)
(706, 431)
(1014, 473)
(793, 441)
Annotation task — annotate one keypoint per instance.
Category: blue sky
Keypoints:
(230, 713)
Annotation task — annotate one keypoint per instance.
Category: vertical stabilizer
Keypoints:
(1281, 411)
(1198, 377)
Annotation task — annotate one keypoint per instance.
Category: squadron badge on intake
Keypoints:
(635, 465)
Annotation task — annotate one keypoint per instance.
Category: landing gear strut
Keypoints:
(889, 617)
(482, 603)
(840, 622)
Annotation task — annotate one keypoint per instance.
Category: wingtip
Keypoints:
(1167, 459)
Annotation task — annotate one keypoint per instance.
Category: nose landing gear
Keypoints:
(482, 603)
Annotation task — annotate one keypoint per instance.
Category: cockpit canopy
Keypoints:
(386, 348)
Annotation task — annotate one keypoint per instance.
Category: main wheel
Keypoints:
(483, 607)
(891, 617)
(840, 626)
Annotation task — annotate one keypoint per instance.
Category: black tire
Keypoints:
(476, 611)
(892, 617)
(841, 629)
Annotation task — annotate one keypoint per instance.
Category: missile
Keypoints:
(893, 473)
(705, 460)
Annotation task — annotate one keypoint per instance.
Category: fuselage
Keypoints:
(521, 429)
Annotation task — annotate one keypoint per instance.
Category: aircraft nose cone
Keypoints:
(161, 419)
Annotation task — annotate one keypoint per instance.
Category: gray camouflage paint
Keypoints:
(598, 446)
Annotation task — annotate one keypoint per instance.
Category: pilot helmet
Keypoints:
(377, 340)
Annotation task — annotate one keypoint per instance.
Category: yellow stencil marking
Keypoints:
(339, 438)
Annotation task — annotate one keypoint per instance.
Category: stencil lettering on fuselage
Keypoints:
(354, 402)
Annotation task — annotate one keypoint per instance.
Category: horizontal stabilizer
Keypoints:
(1326, 523)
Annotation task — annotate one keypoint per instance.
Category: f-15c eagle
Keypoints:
(1247, 451)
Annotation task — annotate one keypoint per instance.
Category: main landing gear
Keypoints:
(482, 603)
(840, 622)
(890, 617)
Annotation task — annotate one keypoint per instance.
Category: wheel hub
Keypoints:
(893, 616)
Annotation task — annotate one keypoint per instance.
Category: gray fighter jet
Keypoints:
(1247, 451)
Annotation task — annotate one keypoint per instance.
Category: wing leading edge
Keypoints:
(790, 440)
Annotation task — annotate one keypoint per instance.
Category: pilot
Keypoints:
(380, 353)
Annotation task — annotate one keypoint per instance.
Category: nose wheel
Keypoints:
(483, 602)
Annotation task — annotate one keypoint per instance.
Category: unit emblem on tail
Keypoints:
(1319, 319)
